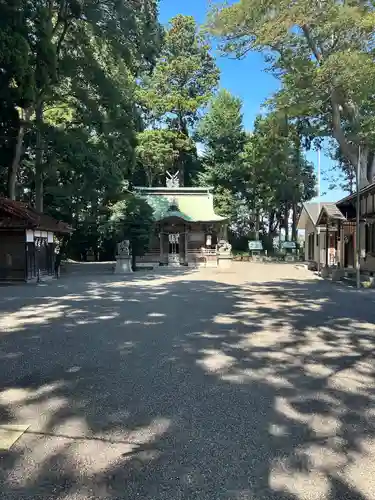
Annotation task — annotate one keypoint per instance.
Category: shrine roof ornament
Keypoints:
(172, 180)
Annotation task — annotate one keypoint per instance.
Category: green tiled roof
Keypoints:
(189, 206)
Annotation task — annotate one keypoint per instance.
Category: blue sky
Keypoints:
(246, 78)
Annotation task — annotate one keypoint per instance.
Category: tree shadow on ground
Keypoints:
(188, 387)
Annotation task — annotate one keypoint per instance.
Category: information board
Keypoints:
(289, 244)
(255, 245)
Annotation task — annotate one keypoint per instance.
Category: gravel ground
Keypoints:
(251, 384)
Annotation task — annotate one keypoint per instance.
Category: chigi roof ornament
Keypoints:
(172, 180)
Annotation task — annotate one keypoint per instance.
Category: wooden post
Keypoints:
(327, 243)
(338, 244)
(161, 247)
(186, 246)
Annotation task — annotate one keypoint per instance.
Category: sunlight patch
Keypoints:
(306, 485)
(9, 434)
(16, 395)
(317, 370)
(215, 360)
(107, 316)
(351, 381)
(224, 319)
(31, 316)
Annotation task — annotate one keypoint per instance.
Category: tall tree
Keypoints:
(278, 176)
(17, 88)
(323, 54)
(182, 82)
(221, 129)
(159, 151)
(59, 32)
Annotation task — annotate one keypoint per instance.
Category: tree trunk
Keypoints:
(350, 150)
(149, 178)
(182, 157)
(14, 167)
(271, 220)
(257, 225)
(286, 222)
(39, 158)
(294, 222)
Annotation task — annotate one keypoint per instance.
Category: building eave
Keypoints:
(352, 197)
(173, 190)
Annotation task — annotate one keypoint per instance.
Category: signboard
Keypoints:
(255, 245)
(289, 244)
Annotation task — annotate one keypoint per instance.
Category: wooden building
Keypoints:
(187, 229)
(27, 246)
(340, 220)
(316, 244)
(348, 207)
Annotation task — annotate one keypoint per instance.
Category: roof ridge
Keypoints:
(18, 209)
(30, 216)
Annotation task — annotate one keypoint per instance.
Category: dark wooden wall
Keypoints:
(12, 255)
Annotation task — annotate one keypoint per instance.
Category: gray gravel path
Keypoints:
(253, 384)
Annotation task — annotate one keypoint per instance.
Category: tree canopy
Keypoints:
(322, 52)
(259, 178)
(182, 83)
(96, 97)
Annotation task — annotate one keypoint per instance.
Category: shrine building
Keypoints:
(186, 230)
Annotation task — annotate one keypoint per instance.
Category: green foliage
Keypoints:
(276, 165)
(279, 176)
(183, 81)
(221, 129)
(17, 85)
(67, 77)
(184, 77)
(262, 176)
(95, 96)
(323, 55)
(159, 151)
(17, 79)
(131, 219)
(342, 174)
(79, 58)
(222, 134)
